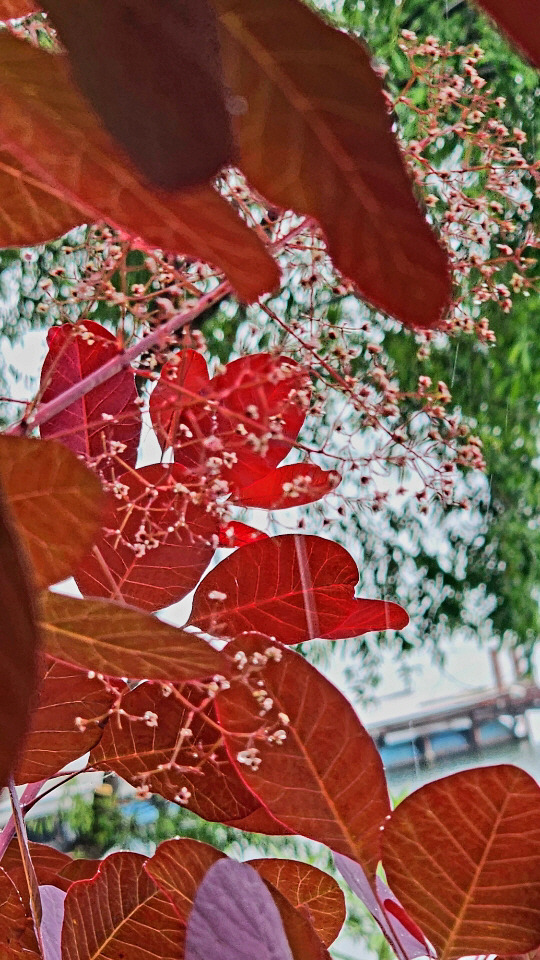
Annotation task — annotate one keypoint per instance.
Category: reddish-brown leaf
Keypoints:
(120, 913)
(291, 587)
(167, 538)
(178, 133)
(103, 417)
(55, 739)
(177, 402)
(57, 502)
(16, 930)
(119, 641)
(520, 21)
(311, 891)
(47, 862)
(290, 486)
(532, 955)
(12, 9)
(178, 867)
(157, 756)
(260, 403)
(325, 780)
(315, 136)
(79, 869)
(462, 854)
(236, 534)
(32, 211)
(54, 134)
(19, 643)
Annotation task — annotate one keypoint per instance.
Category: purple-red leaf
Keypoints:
(290, 486)
(177, 401)
(519, 20)
(119, 55)
(120, 912)
(157, 541)
(235, 918)
(104, 417)
(462, 854)
(178, 867)
(293, 588)
(309, 759)
(52, 901)
(57, 503)
(315, 894)
(119, 641)
(403, 935)
(55, 739)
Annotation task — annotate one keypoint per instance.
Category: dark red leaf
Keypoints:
(79, 869)
(120, 54)
(19, 643)
(182, 386)
(236, 534)
(157, 756)
(178, 867)
(54, 738)
(291, 587)
(103, 417)
(315, 894)
(120, 912)
(48, 864)
(520, 21)
(321, 775)
(290, 486)
(167, 539)
(16, 929)
(462, 856)
(234, 917)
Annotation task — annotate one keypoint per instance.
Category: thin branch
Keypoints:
(28, 866)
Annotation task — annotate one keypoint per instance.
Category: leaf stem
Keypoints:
(28, 866)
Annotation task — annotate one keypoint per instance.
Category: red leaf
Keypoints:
(106, 415)
(79, 870)
(119, 641)
(117, 912)
(154, 756)
(47, 862)
(236, 534)
(326, 780)
(261, 405)
(315, 894)
(13, 9)
(183, 382)
(167, 539)
(290, 486)
(19, 644)
(54, 738)
(520, 21)
(291, 587)
(462, 856)
(16, 929)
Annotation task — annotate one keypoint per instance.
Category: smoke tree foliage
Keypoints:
(223, 716)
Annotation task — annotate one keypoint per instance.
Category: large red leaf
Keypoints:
(57, 502)
(118, 641)
(311, 891)
(316, 137)
(159, 757)
(55, 739)
(103, 417)
(47, 863)
(32, 211)
(291, 587)
(236, 534)
(259, 405)
(19, 643)
(16, 929)
(322, 775)
(159, 536)
(462, 854)
(290, 486)
(52, 132)
(12, 9)
(178, 133)
(520, 21)
(79, 870)
(120, 913)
